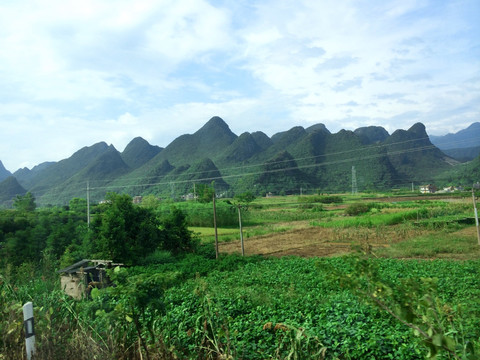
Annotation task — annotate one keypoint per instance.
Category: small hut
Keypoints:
(78, 279)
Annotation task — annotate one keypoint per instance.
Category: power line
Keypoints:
(271, 163)
(391, 153)
(38, 192)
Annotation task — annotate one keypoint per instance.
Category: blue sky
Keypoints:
(73, 73)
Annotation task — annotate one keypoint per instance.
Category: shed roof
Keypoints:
(84, 264)
(74, 267)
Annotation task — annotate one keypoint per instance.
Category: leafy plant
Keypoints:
(296, 343)
(413, 302)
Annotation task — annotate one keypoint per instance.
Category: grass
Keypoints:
(436, 245)
(207, 234)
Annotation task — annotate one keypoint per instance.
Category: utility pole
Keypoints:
(239, 207)
(476, 214)
(354, 181)
(215, 225)
(88, 204)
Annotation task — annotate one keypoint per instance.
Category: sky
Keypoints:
(74, 73)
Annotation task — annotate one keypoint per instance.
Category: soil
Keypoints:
(311, 241)
(316, 241)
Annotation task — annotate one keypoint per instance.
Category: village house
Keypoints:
(137, 199)
(450, 189)
(428, 189)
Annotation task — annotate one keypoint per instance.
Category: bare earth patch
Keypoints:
(316, 241)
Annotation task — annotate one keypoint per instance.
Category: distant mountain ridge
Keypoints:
(311, 159)
(466, 138)
(463, 145)
(4, 173)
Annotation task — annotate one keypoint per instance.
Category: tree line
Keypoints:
(119, 230)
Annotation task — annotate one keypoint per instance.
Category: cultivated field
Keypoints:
(399, 227)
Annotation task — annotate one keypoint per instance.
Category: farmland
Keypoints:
(398, 227)
(347, 277)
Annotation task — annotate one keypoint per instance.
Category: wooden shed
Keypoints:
(78, 279)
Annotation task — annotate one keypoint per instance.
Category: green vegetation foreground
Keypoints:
(254, 308)
(176, 301)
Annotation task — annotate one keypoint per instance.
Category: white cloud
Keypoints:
(188, 28)
(392, 40)
(75, 73)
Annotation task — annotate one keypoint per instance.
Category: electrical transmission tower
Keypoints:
(354, 181)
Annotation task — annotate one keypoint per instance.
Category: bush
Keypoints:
(158, 257)
(357, 209)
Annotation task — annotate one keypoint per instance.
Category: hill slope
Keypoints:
(414, 156)
(4, 173)
(9, 189)
(208, 141)
(312, 159)
(138, 152)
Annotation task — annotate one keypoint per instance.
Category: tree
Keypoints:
(25, 203)
(176, 236)
(245, 198)
(78, 205)
(150, 202)
(124, 232)
(204, 192)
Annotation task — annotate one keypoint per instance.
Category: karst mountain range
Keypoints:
(299, 160)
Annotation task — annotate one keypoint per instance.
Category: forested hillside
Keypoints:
(292, 161)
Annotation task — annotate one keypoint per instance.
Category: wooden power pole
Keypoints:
(88, 204)
(240, 225)
(476, 214)
(215, 225)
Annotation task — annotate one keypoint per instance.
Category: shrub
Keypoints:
(357, 209)
(158, 257)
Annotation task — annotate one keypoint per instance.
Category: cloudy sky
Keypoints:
(73, 73)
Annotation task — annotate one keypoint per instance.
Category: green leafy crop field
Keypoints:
(325, 277)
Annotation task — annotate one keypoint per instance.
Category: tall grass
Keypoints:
(371, 220)
(432, 246)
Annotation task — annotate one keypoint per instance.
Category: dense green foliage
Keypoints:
(25, 203)
(176, 301)
(253, 308)
(358, 208)
(119, 231)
